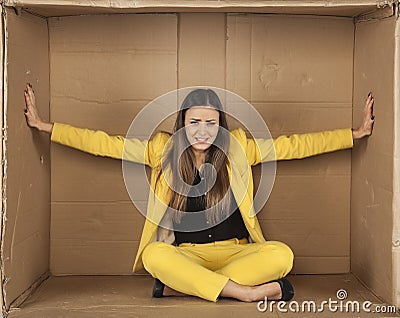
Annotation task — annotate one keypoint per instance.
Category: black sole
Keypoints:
(286, 287)
(158, 288)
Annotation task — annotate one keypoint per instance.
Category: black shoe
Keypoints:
(158, 288)
(286, 287)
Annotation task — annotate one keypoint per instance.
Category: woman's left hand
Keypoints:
(367, 124)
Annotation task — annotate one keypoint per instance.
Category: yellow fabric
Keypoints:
(243, 153)
(203, 270)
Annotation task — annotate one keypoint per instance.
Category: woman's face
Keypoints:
(201, 126)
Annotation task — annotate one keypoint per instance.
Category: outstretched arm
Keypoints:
(300, 146)
(97, 142)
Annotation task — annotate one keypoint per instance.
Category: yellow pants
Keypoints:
(204, 269)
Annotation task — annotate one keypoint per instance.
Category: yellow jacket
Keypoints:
(243, 153)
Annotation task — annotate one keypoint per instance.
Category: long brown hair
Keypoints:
(181, 159)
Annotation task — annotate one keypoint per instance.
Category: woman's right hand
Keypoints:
(32, 114)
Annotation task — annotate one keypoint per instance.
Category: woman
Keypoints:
(229, 256)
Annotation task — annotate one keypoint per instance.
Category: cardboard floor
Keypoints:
(129, 296)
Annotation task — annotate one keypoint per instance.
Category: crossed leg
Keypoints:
(236, 271)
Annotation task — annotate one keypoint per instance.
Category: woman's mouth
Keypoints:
(201, 139)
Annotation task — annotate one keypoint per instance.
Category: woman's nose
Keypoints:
(203, 128)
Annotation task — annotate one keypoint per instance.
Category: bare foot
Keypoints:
(244, 293)
(271, 290)
(252, 293)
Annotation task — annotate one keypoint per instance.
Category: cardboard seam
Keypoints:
(31, 13)
(167, 8)
(295, 15)
(112, 4)
(4, 158)
(102, 275)
(1, 150)
(95, 202)
(351, 152)
(103, 308)
(178, 45)
(367, 288)
(322, 257)
(311, 103)
(383, 12)
(50, 102)
(396, 169)
(251, 101)
(98, 102)
(375, 280)
(104, 14)
(29, 291)
(225, 49)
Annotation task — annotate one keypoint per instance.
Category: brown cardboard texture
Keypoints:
(304, 66)
(107, 296)
(26, 179)
(48, 8)
(372, 187)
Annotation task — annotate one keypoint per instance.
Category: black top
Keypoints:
(232, 227)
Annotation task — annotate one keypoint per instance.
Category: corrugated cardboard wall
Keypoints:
(372, 161)
(26, 238)
(297, 71)
(104, 69)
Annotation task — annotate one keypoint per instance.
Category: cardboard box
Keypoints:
(305, 65)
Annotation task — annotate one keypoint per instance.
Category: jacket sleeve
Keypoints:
(298, 146)
(99, 143)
